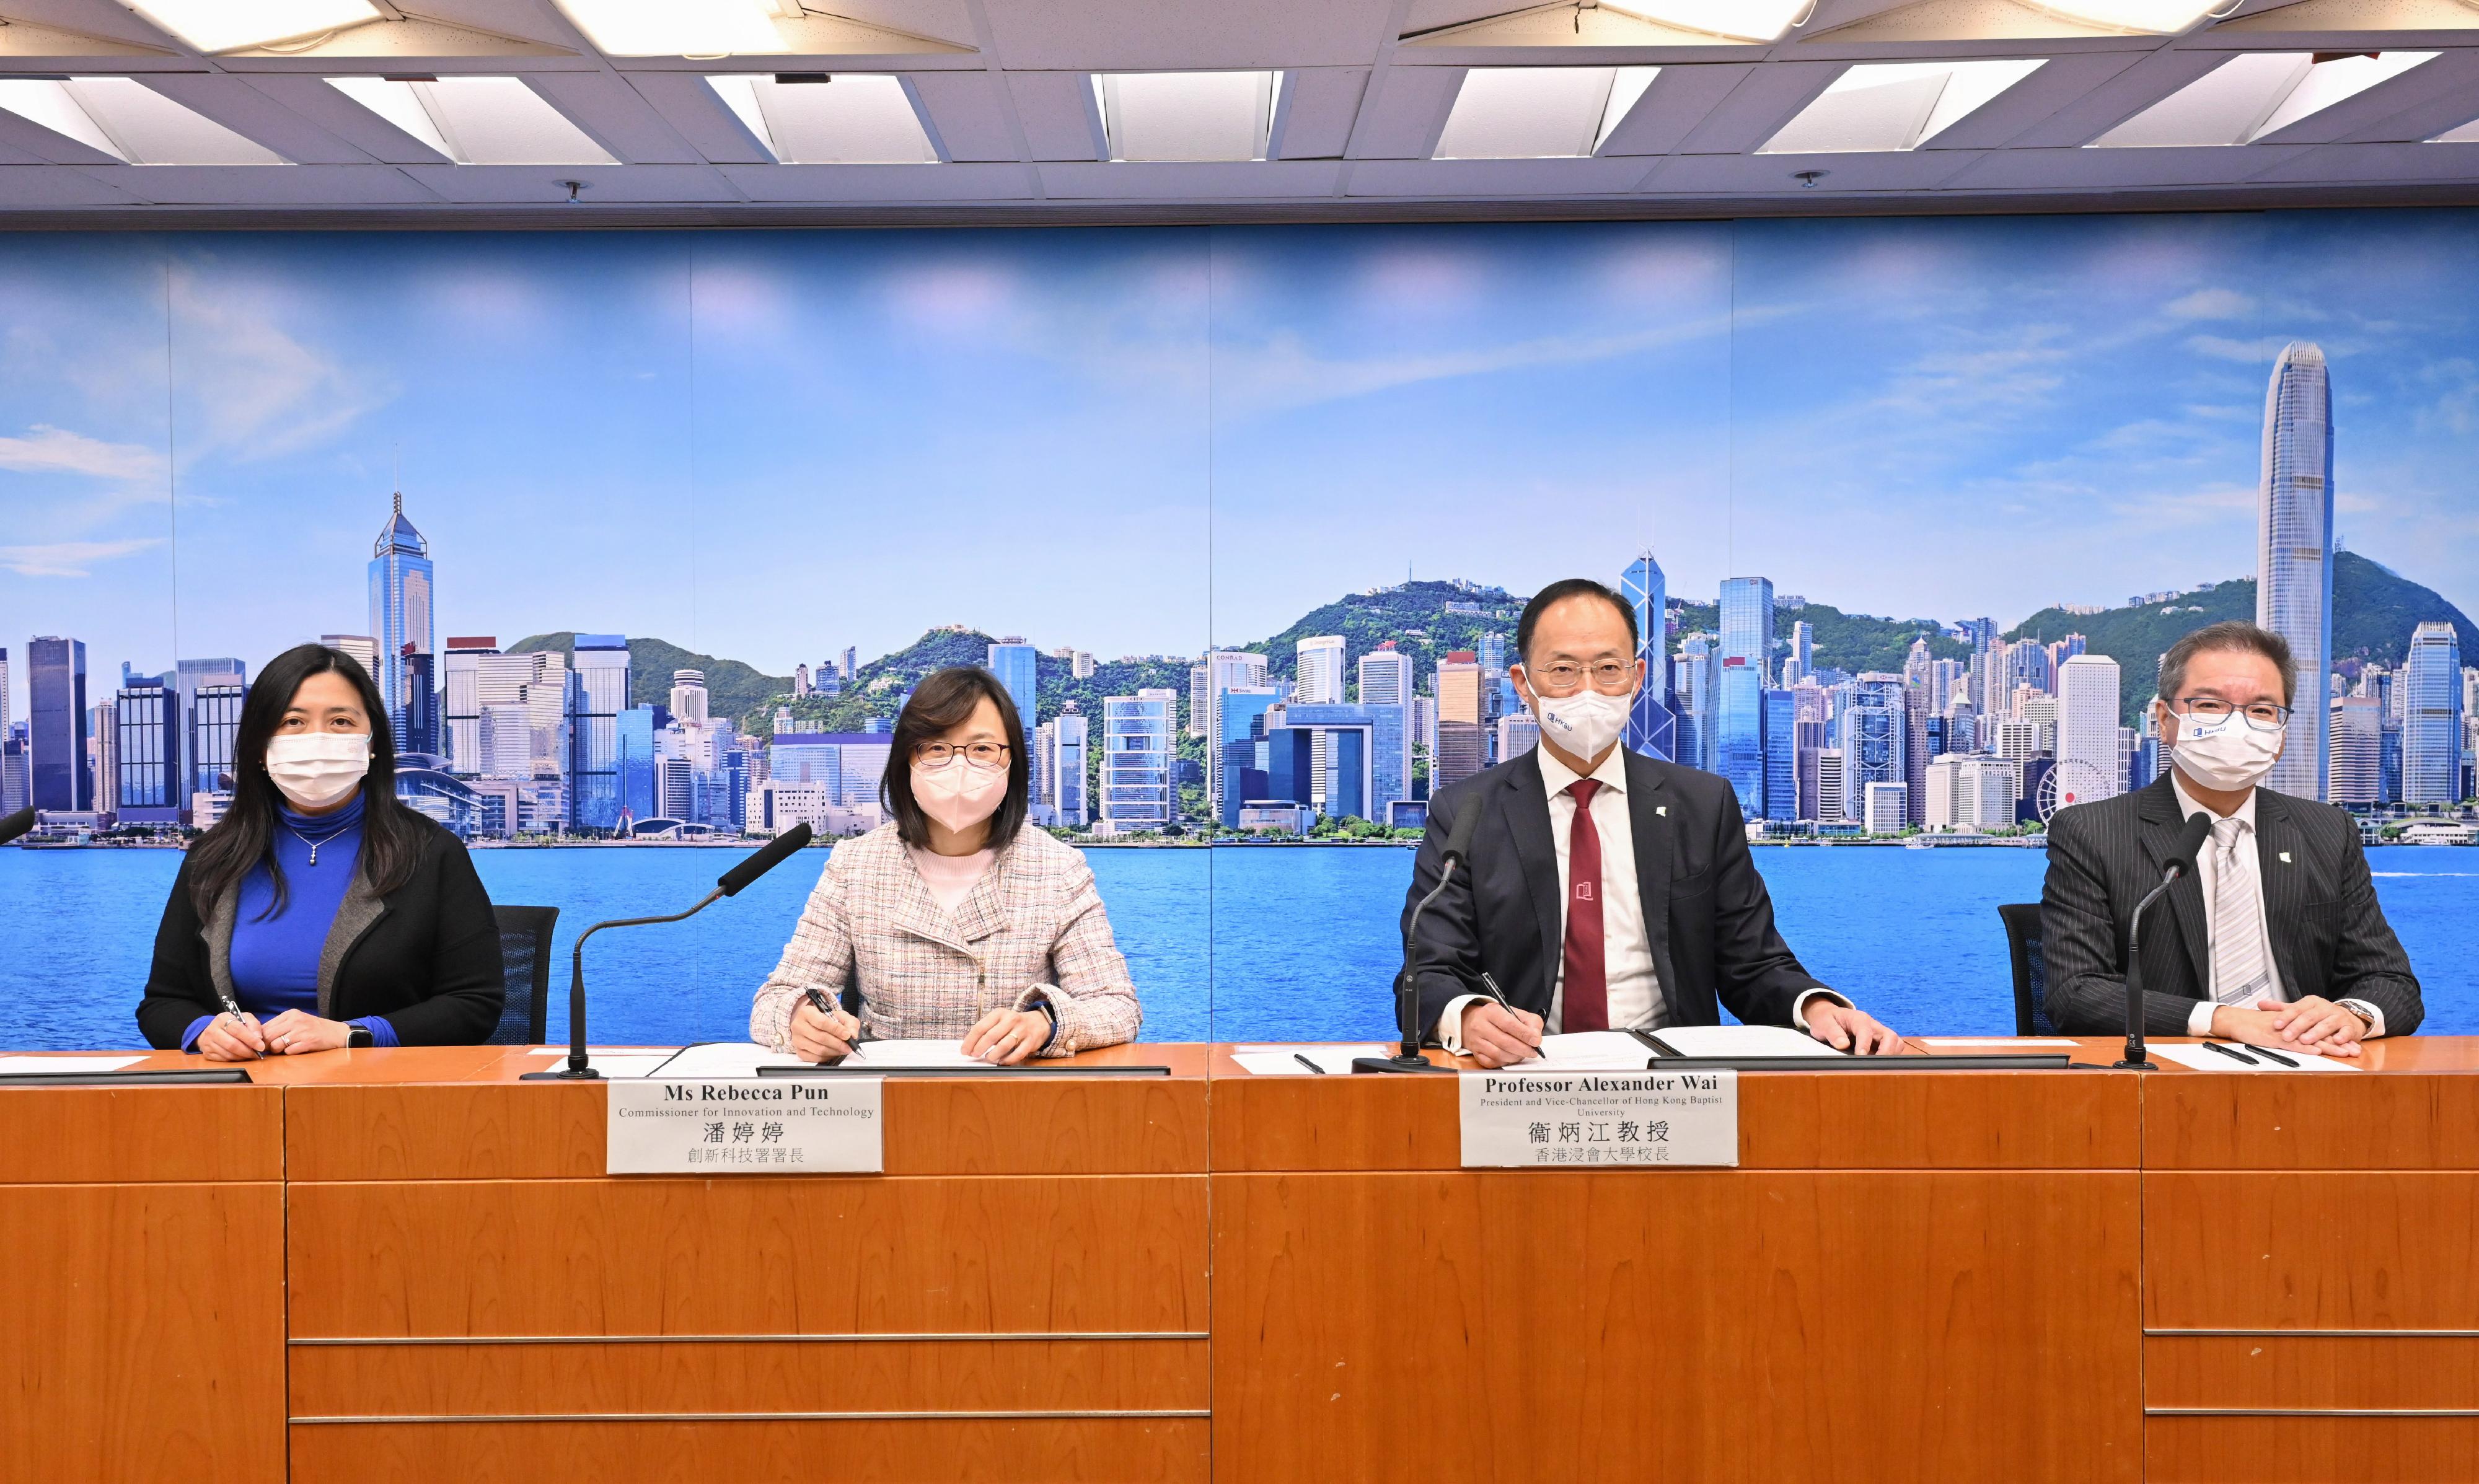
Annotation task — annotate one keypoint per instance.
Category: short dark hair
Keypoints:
(2231, 634)
(939, 704)
(1559, 592)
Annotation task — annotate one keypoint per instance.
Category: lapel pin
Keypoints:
(2284, 857)
(1663, 809)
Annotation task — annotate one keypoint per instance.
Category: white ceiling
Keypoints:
(1004, 92)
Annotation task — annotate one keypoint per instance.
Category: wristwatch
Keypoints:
(358, 1035)
(2365, 1020)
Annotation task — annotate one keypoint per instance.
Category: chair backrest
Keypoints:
(524, 951)
(2022, 921)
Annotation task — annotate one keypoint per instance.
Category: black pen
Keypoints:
(1303, 1061)
(234, 1010)
(2263, 1050)
(1500, 995)
(2226, 1051)
(818, 1003)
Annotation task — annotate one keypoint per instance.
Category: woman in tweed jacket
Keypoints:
(952, 919)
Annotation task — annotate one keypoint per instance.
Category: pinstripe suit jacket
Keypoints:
(2329, 936)
(1032, 930)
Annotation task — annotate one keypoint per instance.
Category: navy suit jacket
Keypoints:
(1705, 911)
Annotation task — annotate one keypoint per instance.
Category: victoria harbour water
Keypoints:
(1231, 943)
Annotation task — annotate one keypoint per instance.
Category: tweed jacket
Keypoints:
(1032, 931)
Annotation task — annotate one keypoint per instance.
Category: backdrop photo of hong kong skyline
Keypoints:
(648, 535)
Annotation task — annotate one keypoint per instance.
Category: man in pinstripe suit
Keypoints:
(2276, 939)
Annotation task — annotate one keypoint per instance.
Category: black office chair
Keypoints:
(2022, 921)
(525, 954)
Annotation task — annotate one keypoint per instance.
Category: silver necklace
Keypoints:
(322, 840)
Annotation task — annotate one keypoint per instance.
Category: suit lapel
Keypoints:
(1537, 851)
(2284, 883)
(978, 915)
(1648, 823)
(2160, 823)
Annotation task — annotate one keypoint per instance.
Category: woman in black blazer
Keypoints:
(321, 911)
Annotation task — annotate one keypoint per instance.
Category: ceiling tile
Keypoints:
(692, 111)
(1756, 109)
(312, 100)
(864, 183)
(1767, 174)
(1057, 112)
(262, 184)
(970, 113)
(603, 184)
(1509, 178)
(1318, 109)
(2102, 169)
(2351, 164)
(604, 106)
(1126, 35)
(1195, 180)
(41, 187)
(1404, 112)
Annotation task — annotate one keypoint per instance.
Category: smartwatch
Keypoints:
(357, 1035)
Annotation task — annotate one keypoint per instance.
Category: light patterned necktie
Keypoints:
(2240, 971)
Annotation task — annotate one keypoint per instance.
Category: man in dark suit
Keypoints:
(2276, 939)
(1603, 890)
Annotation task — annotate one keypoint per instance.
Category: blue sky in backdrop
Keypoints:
(769, 446)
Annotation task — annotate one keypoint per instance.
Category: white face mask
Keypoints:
(1585, 723)
(959, 793)
(2227, 754)
(315, 769)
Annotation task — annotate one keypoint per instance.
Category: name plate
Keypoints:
(1600, 1121)
(745, 1126)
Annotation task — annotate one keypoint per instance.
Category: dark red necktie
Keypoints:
(1587, 989)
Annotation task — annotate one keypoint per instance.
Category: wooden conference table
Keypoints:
(406, 1265)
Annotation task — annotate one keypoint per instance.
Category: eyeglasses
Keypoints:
(986, 755)
(1611, 676)
(2263, 716)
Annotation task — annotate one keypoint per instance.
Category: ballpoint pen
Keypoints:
(818, 1003)
(1500, 995)
(2266, 1051)
(232, 1008)
(2235, 1056)
(1305, 1061)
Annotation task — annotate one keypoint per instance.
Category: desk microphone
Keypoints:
(1407, 982)
(2179, 864)
(16, 825)
(783, 847)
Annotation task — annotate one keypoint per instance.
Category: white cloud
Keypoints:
(2211, 304)
(56, 450)
(68, 558)
(2252, 352)
(258, 391)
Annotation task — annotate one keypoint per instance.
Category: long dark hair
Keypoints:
(391, 834)
(938, 703)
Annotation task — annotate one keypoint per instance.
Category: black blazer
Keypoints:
(2329, 936)
(425, 955)
(1705, 911)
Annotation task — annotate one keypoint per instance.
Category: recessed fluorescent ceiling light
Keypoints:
(2467, 133)
(129, 122)
(2254, 94)
(2155, 17)
(683, 28)
(1186, 115)
(221, 25)
(1538, 113)
(1753, 20)
(476, 120)
(847, 118)
(1895, 105)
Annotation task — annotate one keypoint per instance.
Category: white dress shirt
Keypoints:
(2208, 875)
(1636, 1002)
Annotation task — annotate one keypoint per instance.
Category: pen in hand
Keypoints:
(1500, 995)
(818, 1003)
(233, 1009)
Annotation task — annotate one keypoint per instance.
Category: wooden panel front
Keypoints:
(749, 1255)
(882, 1375)
(2375, 1119)
(141, 1331)
(2320, 1250)
(2350, 1372)
(1750, 1325)
(135, 1135)
(934, 1126)
(998, 1451)
(1787, 1120)
(2310, 1450)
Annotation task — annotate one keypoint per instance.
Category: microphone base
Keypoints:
(2144, 1066)
(564, 1074)
(1395, 1063)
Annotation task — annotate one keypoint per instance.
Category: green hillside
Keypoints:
(732, 689)
(2373, 613)
(1855, 642)
(884, 681)
(1412, 615)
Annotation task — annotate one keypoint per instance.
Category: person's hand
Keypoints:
(2284, 1026)
(1495, 1036)
(295, 1031)
(1845, 1029)
(1008, 1036)
(231, 1039)
(817, 1036)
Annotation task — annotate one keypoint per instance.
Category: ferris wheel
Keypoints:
(2070, 782)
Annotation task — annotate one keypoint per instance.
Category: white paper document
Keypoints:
(609, 1060)
(2000, 1042)
(2204, 1059)
(743, 1059)
(1285, 1061)
(65, 1065)
(1743, 1040)
(1591, 1051)
(945, 1055)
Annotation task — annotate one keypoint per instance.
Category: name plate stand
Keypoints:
(745, 1126)
(1599, 1120)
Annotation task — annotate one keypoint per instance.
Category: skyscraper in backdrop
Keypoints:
(401, 601)
(2088, 768)
(1653, 722)
(58, 715)
(1016, 663)
(2431, 727)
(2293, 594)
